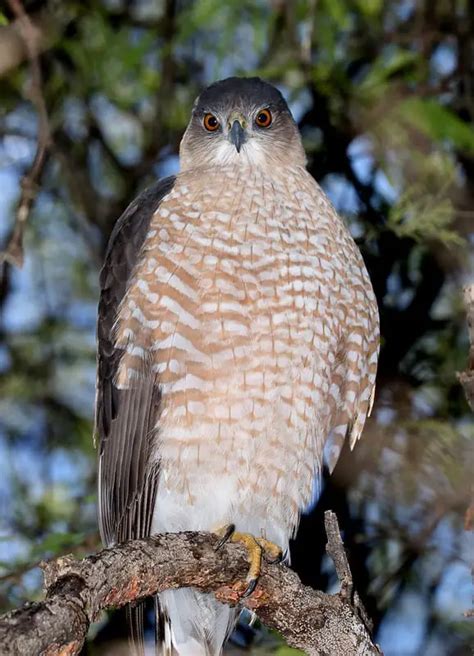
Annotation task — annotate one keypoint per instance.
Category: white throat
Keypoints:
(251, 154)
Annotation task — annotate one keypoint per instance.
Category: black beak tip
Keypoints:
(237, 135)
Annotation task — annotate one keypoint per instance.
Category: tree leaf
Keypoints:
(438, 122)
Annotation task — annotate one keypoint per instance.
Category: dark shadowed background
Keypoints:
(383, 92)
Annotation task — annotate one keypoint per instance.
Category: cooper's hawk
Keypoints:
(238, 339)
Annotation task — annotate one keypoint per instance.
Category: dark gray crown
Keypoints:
(243, 91)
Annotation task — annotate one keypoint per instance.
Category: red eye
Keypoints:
(210, 122)
(264, 118)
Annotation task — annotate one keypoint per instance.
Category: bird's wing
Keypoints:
(125, 418)
(355, 371)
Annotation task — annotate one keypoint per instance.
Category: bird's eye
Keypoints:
(264, 118)
(210, 122)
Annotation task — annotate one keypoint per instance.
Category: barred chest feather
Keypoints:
(252, 307)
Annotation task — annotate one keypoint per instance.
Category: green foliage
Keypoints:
(424, 217)
(110, 61)
(438, 123)
(386, 68)
(370, 8)
(56, 544)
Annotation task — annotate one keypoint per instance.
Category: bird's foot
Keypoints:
(271, 551)
(256, 548)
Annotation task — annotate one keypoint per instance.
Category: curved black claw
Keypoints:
(226, 533)
(252, 584)
(256, 548)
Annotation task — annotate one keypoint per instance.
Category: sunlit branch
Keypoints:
(77, 592)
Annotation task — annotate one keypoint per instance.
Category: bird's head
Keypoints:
(241, 121)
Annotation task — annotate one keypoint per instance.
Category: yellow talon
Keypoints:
(255, 548)
(254, 557)
(273, 553)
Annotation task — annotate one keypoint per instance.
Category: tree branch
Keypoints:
(13, 254)
(466, 378)
(13, 49)
(77, 591)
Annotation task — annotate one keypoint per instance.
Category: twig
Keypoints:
(13, 50)
(13, 254)
(466, 378)
(77, 591)
(335, 549)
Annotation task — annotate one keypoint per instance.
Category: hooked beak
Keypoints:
(237, 134)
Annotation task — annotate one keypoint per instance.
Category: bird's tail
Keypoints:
(192, 623)
(135, 621)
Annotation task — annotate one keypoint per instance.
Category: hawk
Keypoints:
(237, 346)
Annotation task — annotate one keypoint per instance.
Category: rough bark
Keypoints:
(466, 378)
(77, 591)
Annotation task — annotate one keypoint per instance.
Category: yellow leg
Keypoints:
(255, 548)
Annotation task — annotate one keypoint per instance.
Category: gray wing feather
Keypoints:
(125, 420)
